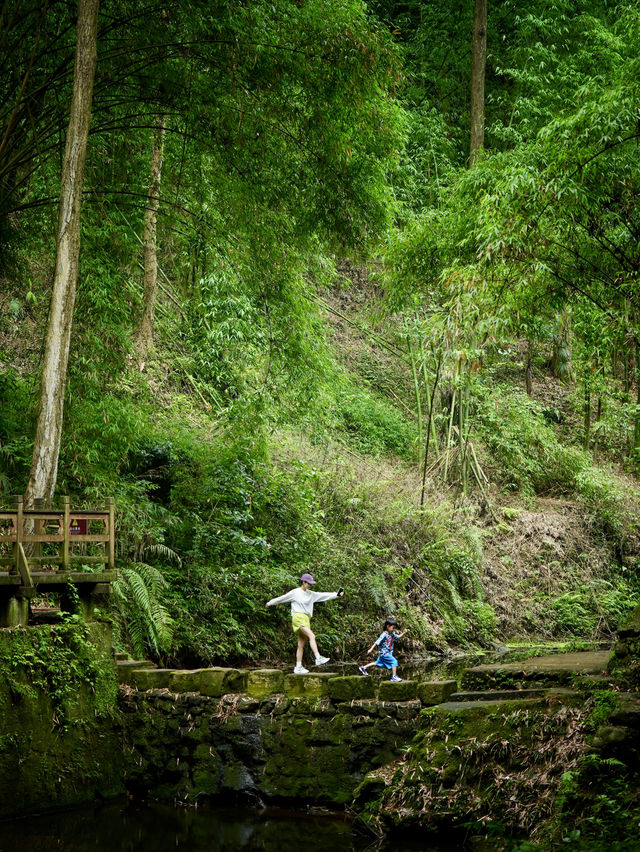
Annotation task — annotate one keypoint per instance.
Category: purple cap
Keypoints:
(307, 578)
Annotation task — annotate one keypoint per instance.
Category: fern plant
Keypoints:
(142, 624)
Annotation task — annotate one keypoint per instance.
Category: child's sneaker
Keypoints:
(395, 679)
(300, 670)
(320, 661)
(363, 671)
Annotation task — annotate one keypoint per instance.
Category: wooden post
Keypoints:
(112, 532)
(66, 501)
(19, 527)
(23, 568)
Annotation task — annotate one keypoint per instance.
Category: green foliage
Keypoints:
(16, 446)
(292, 136)
(611, 500)
(141, 623)
(479, 621)
(572, 614)
(526, 452)
(605, 702)
(374, 426)
(601, 604)
(58, 661)
(599, 798)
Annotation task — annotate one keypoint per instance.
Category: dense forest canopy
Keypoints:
(318, 326)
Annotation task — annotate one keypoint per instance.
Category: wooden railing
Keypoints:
(60, 540)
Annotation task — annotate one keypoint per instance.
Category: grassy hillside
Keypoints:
(228, 488)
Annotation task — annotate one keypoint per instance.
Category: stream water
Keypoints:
(134, 827)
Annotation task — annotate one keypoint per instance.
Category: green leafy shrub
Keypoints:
(601, 605)
(15, 445)
(572, 615)
(610, 500)
(374, 426)
(525, 451)
(479, 619)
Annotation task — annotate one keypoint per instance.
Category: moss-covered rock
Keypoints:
(262, 682)
(217, 681)
(184, 680)
(351, 687)
(624, 663)
(125, 668)
(306, 686)
(432, 692)
(403, 691)
(150, 678)
(60, 738)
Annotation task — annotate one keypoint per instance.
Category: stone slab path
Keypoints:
(553, 669)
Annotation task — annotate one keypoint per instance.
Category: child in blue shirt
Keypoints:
(384, 643)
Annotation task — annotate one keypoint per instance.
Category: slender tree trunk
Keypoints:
(596, 440)
(149, 243)
(46, 450)
(528, 376)
(587, 409)
(416, 387)
(478, 63)
(426, 449)
(599, 409)
(429, 398)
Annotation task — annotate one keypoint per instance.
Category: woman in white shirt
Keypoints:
(302, 600)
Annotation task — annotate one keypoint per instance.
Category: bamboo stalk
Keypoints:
(426, 449)
(416, 387)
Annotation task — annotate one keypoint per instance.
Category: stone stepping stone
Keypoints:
(312, 685)
(263, 682)
(351, 687)
(555, 669)
(432, 692)
(125, 667)
(454, 707)
(497, 695)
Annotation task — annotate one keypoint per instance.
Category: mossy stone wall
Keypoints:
(60, 737)
(275, 747)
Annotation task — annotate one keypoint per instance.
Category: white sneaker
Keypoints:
(300, 670)
(320, 661)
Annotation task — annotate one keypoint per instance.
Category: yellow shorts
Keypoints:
(300, 619)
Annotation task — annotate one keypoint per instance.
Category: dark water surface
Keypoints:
(129, 827)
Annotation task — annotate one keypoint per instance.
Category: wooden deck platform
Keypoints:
(42, 549)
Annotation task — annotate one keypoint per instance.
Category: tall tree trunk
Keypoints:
(478, 63)
(46, 450)
(149, 243)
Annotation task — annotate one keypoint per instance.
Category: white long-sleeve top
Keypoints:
(302, 600)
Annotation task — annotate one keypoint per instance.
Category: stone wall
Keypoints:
(278, 737)
(60, 737)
